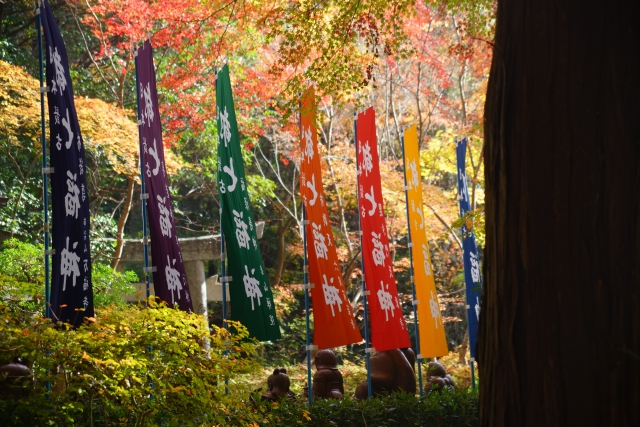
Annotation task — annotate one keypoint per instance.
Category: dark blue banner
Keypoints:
(71, 290)
(169, 279)
(472, 275)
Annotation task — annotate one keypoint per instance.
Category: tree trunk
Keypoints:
(560, 323)
(122, 221)
(285, 224)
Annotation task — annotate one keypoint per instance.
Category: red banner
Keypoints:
(388, 328)
(334, 324)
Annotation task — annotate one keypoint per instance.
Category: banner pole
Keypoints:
(367, 350)
(145, 235)
(411, 269)
(306, 305)
(45, 176)
(224, 279)
(306, 280)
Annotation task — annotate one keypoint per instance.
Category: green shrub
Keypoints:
(458, 408)
(133, 366)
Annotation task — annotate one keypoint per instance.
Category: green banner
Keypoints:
(251, 298)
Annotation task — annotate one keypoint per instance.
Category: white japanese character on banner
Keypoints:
(367, 159)
(85, 302)
(371, 198)
(229, 171)
(251, 286)
(331, 295)
(418, 210)
(154, 153)
(268, 303)
(385, 300)
(60, 80)
(165, 222)
(463, 180)
(324, 219)
(69, 265)
(147, 112)
(173, 279)
(318, 242)
(378, 250)
(241, 229)
(225, 131)
(85, 284)
(81, 166)
(475, 268)
(435, 309)
(308, 146)
(477, 307)
(56, 115)
(71, 200)
(67, 125)
(311, 185)
(272, 320)
(415, 179)
(427, 265)
(242, 186)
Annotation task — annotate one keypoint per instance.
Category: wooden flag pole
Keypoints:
(413, 286)
(367, 349)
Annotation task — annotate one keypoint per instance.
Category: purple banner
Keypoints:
(71, 291)
(169, 279)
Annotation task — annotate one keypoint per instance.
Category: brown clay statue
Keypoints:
(327, 381)
(437, 378)
(278, 385)
(391, 370)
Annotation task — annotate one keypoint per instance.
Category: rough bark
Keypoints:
(560, 324)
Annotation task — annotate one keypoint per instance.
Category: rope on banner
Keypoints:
(368, 350)
(414, 301)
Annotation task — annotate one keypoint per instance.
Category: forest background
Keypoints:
(416, 62)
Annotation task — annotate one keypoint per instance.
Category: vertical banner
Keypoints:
(388, 327)
(71, 288)
(433, 342)
(251, 297)
(472, 276)
(334, 324)
(169, 278)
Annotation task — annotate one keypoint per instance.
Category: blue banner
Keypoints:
(71, 290)
(472, 275)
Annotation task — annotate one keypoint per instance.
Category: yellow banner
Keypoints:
(433, 342)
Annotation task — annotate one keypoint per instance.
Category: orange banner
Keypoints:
(433, 342)
(334, 324)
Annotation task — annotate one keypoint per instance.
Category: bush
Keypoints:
(134, 366)
(457, 408)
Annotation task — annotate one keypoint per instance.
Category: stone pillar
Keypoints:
(197, 285)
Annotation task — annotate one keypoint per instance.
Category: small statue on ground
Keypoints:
(327, 381)
(10, 377)
(278, 385)
(391, 370)
(437, 378)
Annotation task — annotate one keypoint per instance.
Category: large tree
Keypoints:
(560, 323)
